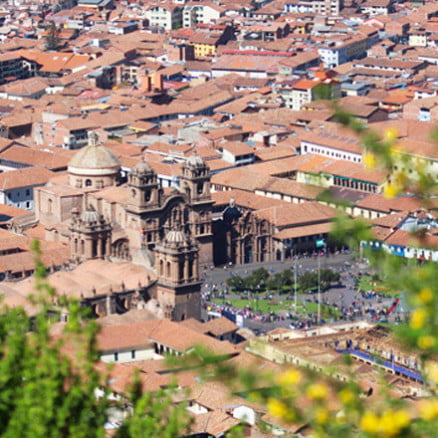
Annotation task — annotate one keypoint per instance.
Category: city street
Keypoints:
(344, 296)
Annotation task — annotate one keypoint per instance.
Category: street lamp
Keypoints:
(320, 243)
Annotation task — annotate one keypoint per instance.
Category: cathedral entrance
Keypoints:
(248, 252)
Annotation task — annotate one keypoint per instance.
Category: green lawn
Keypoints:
(366, 284)
(266, 306)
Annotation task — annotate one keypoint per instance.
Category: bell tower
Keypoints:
(178, 288)
(195, 184)
(90, 235)
(195, 179)
(144, 189)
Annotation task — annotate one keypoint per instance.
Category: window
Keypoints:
(27, 192)
(88, 183)
(116, 357)
(132, 354)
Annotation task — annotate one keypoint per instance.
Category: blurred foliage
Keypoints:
(50, 387)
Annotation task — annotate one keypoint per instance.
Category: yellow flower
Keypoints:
(428, 409)
(321, 415)
(401, 419)
(425, 342)
(277, 408)
(317, 391)
(289, 378)
(346, 396)
(425, 295)
(369, 160)
(390, 134)
(392, 422)
(418, 318)
(369, 422)
(391, 190)
(432, 372)
(386, 425)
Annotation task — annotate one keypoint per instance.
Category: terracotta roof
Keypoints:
(236, 148)
(391, 220)
(27, 177)
(297, 214)
(35, 157)
(165, 332)
(379, 203)
(219, 326)
(213, 423)
(306, 230)
(55, 61)
(244, 199)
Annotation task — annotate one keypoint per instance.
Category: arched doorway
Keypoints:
(248, 250)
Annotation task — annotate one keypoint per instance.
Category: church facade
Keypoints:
(169, 231)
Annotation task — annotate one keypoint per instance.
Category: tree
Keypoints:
(48, 386)
(308, 281)
(328, 277)
(236, 283)
(257, 279)
(52, 37)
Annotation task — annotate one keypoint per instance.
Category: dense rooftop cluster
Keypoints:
(145, 141)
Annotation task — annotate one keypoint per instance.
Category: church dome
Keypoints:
(195, 161)
(94, 160)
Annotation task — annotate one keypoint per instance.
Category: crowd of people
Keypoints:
(365, 304)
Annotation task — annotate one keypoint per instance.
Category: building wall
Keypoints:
(307, 147)
(21, 197)
(182, 303)
(121, 356)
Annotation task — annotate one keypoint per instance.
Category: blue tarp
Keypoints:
(407, 372)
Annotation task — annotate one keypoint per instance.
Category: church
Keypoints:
(167, 230)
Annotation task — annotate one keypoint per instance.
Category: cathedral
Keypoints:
(167, 230)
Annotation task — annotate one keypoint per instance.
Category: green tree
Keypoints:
(236, 283)
(308, 281)
(328, 277)
(48, 385)
(52, 37)
(43, 393)
(257, 279)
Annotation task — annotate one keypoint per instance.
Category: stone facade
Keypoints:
(178, 287)
(101, 218)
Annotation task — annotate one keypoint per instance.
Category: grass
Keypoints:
(266, 306)
(366, 283)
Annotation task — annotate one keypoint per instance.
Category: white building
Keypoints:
(16, 186)
(166, 15)
(195, 13)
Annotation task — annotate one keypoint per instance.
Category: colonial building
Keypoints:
(164, 229)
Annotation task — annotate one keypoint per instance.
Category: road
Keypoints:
(344, 296)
